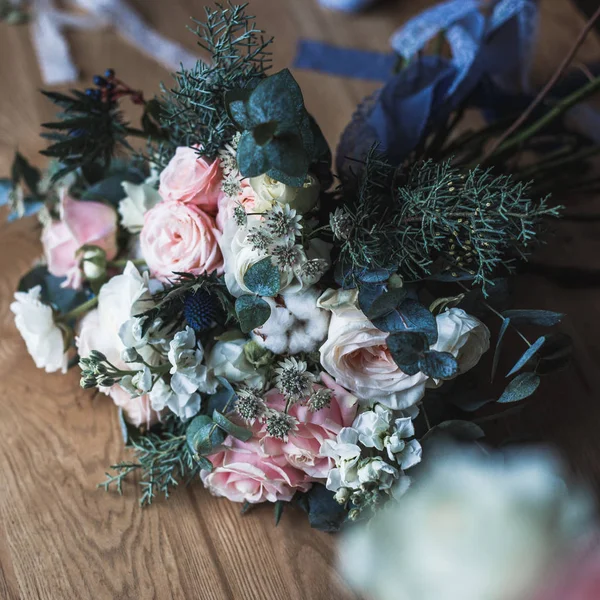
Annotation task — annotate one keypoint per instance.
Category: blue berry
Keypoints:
(90, 92)
(199, 310)
(109, 73)
(99, 81)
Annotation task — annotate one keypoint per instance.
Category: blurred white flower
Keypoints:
(43, 338)
(140, 199)
(475, 527)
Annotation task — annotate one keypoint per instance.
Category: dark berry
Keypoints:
(99, 81)
(90, 92)
(109, 73)
(110, 87)
(199, 310)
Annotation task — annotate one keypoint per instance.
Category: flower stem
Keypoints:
(140, 262)
(79, 310)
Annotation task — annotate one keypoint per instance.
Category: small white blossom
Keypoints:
(185, 406)
(283, 222)
(346, 453)
(137, 384)
(288, 256)
(44, 339)
(377, 471)
(292, 379)
(405, 453)
(372, 426)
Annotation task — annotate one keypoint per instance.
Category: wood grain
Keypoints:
(60, 538)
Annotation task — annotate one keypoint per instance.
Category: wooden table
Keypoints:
(62, 539)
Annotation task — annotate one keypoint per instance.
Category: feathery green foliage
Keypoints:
(439, 221)
(194, 110)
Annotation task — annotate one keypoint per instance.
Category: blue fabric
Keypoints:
(347, 5)
(31, 207)
(345, 62)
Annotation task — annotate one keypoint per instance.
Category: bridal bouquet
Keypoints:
(277, 333)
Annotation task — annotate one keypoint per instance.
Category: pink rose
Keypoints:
(303, 448)
(243, 473)
(190, 179)
(180, 237)
(81, 223)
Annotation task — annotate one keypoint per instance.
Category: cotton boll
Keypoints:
(296, 324)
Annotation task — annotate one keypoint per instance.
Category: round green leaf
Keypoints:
(202, 435)
(263, 278)
(252, 312)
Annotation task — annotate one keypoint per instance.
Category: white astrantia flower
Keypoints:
(296, 324)
(345, 451)
(185, 406)
(227, 359)
(43, 338)
(139, 199)
(188, 374)
(292, 379)
(476, 527)
(373, 426)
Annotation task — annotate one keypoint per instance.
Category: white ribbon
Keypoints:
(53, 53)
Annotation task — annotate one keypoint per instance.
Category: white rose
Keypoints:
(464, 336)
(301, 198)
(239, 256)
(296, 324)
(35, 322)
(475, 527)
(356, 355)
(139, 200)
(227, 359)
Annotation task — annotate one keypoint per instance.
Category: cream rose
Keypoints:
(464, 336)
(180, 237)
(190, 179)
(356, 355)
(301, 198)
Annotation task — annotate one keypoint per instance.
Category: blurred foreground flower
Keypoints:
(475, 527)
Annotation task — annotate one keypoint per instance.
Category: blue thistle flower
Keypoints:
(199, 310)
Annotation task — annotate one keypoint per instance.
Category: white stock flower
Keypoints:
(377, 471)
(372, 426)
(140, 199)
(188, 374)
(406, 453)
(475, 527)
(185, 406)
(227, 359)
(346, 453)
(296, 324)
(35, 322)
(138, 384)
(464, 336)
(302, 198)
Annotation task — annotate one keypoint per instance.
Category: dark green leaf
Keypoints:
(503, 329)
(555, 354)
(441, 365)
(324, 512)
(279, 506)
(528, 354)
(251, 158)
(204, 463)
(522, 386)
(252, 312)
(276, 98)
(409, 316)
(202, 436)
(240, 433)
(534, 317)
(263, 278)
(239, 114)
(375, 301)
(406, 348)
(23, 170)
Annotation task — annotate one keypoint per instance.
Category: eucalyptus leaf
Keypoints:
(202, 436)
(406, 348)
(252, 312)
(521, 387)
(263, 278)
(279, 506)
(375, 301)
(252, 159)
(240, 433)
(409, 316)
(441, 365)
(324, 512)
(555, 354)
(527, 355)
(503, 328)
(534, 317)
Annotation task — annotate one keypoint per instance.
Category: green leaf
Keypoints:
(276, 98)
(521, 387)
(252, 159)
(441, 365)
(410, 316)
(263, 278)
(503, 329)
(534, 317)
(375, 301)
(239, 114)
(202, 436)
(204, 463)
(252, 312)
(529, 353)
(279, 506)
(23, 170)
(555, 354)
(240, 433)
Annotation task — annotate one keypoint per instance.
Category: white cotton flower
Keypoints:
(227, 359)
(35, 322)
(475, 527)
(188, 374)
(296, 324)
(185, 406)
(140, 199)
(346, 453)
(377, 471)
(372, 426)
